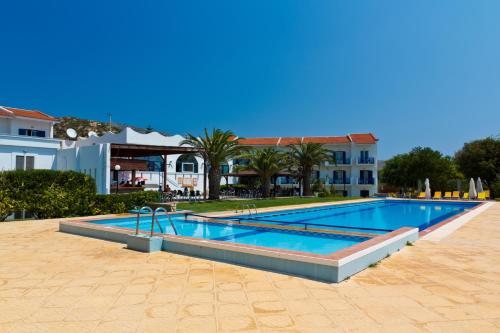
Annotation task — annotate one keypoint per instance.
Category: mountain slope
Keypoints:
(84, 126)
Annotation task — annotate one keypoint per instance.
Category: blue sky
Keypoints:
(419, 72)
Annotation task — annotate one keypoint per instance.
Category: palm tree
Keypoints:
(216, 149)
(266, 163)
(304, 157)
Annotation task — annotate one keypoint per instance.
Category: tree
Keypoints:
(481, 158)
(266, 163)
(216, 149)
(304, 157)
(405, 170)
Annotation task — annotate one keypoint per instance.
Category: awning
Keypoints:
(128, 150)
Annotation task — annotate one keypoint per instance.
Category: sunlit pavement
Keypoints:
(55, 282)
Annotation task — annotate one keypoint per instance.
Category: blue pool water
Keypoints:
(317, 243)
(374, 217)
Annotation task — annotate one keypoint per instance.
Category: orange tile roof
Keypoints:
(35, 114)
(326, 139)
(259, 141)
(368, 138)
(290, 141)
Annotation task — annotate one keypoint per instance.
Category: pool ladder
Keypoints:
(154, 219)
(252, 209)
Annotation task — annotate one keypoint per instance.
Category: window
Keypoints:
(31, 132)
(339, 157)
(187, 167)
(25, 162)
(30, 162)
(224, 168)
(186, 163)
(240, 161)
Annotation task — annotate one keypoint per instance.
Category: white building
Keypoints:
(26, 142)
(354, 172)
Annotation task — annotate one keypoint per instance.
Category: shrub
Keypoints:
(495, 190)
(49, 193)
(121, 203)
(235, 186)
(7, 205)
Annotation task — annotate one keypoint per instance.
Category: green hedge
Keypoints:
(48, 193)
(121, 203)
(52, 194)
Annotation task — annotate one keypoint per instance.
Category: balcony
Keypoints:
(366, 160)
(366, 181)
(340, 181)
(345, 161)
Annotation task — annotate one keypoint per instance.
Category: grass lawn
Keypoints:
(223, 205)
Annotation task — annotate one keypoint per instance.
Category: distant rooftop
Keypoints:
(8, 111)
(360, 138)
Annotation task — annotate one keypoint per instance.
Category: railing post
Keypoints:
(153, 223)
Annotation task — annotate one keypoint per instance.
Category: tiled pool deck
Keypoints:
(57, 282)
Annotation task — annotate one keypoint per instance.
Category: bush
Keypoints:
(49, 193)
(122, 203)
(52, 194)
(235, 186)
(7, 205)
(495, 190)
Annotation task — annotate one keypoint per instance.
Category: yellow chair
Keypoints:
(447, 195)
(487, 193)
(421, 195)
(455, 195)
(465, 196)
(481, 196)
(437, 195)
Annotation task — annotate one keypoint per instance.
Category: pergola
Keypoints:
(121, 151)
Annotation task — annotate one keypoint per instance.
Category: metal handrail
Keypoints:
(155, 219)
(252, 206)
(145, 208)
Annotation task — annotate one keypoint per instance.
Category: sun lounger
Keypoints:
(447, 195)
(437, 195)
(455, 195)
(487, 193)
(421, 195)
(465, 196)
(481, 196)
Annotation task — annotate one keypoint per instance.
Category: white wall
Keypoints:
(17, 123)
(155, 178)
(91, 160)
(44, 151)
(4, 125)
(44, 158)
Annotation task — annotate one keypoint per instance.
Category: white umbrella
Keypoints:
(479, 186)
(472, 189)
(427, 188)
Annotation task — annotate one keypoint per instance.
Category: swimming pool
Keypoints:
(340, 239)
(378, 217)
(292, 240)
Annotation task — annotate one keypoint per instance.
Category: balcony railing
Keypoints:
(345, 161)
(366, 160)
(340, 181)
(366, 181)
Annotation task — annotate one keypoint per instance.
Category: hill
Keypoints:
(84, 126)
